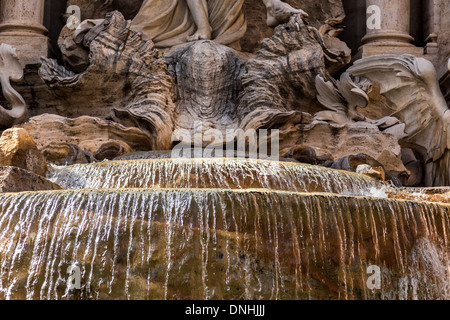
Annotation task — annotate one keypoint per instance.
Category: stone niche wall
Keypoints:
(54, 22)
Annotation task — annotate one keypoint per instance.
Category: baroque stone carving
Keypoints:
(257, 28)
(175, 22)
(139, 78)
(342, 98)
(411, 84)
(212, 84)
(202, 81)
(11, 70)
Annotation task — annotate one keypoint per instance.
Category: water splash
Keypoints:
(220, 244)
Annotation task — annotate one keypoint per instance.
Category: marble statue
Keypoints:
(412, 85)
(11, 70)
(172, 22)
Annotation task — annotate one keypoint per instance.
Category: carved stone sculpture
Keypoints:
(11, 70)
(219, 86)
(213, 84)
(175, 22)
(411, 84)
(135, 87)
(342, 98)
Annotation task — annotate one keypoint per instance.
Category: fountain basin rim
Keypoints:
(193, 160)
(225, 191)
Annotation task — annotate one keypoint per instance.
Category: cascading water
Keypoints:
(210, 229)
(213, 173)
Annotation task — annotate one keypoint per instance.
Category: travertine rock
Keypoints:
(112, 150)
(210, 83)
(70, 43)
(415, 167)
(18, 149)
(14, 179)
(126, 76)
(64, 140)
(279, 82)
(304, 154)
(343, 141)
(377, 172)
(67, 154)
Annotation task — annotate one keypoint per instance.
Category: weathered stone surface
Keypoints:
(411, 84)
(67, 154)
(344, 141)
(279, 82)
(254, 11)
(112, 150)
(218, 86)
(70, 42)
(135, 87)
(64, 140)
(257, 30)
(304, 154)
(14, 179)
(18, 149)
(21, 26)
(208, 81)
(377, 172)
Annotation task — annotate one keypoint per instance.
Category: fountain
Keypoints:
(219, 229)
(121, 219)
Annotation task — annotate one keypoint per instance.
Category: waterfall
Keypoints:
(213, 173)
(220, 244)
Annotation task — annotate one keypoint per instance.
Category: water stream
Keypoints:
(213, 173)
(177, 229)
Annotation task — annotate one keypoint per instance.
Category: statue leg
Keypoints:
(199, 12)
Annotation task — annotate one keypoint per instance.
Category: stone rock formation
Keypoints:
(230, 90)
(18, 149)
(341, 141)
(340, 192)
(216, 86)
(135, 88)
(68, 141)
(377, 173)
(13, 179)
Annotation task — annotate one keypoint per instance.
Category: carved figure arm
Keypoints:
(279, 12)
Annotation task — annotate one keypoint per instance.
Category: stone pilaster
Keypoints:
(393, 36)
(21, 27)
